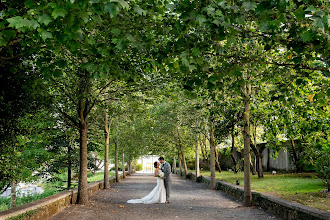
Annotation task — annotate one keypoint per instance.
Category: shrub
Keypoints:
(119, 168)
(138, 167)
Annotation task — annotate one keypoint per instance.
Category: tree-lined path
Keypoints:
(189, 200)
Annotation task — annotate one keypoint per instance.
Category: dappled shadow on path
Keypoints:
(189, 200)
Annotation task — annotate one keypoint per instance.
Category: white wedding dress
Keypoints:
(157, 195)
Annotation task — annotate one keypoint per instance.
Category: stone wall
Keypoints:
(49, 206)
(280, 207)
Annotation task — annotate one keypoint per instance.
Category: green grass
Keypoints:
(97, 177)
(50, 189)
(304, 188)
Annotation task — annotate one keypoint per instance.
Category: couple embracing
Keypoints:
(161, 193)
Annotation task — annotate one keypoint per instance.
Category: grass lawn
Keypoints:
(303, 188)
(50, 189)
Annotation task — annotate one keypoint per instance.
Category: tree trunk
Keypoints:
(246, 135)
(212, 157)
(13, 194)
(232, 150)
(123, 164)
(217, 159)
(182, 153)
(116, 152)
(69, 165)
(295, 156)
(129, 167)
(180, 163)
(106, 151)
(174, 165)
(82, 187)
(196, 154)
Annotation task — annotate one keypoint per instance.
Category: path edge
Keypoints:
(51, 205)
(280, 207)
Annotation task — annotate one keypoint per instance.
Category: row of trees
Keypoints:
(155, 75)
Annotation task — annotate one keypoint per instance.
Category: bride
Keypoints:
(158, 194)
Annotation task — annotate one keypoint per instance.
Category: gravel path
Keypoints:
(189, 200)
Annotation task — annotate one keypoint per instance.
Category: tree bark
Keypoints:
(295, 156)
(82, 187)
(123, 164)
(217, 159)
(180, 163)
(182, 153)
(106, 151)
(196, 154)
(116, 152)
(13, 194)
(232, 150)
(129, 167)
(174, 165)
(69, 165)
(212, 157)
(246, 134)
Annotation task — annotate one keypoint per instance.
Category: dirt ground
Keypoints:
(189, 200)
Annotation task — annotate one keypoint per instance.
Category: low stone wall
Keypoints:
(280, 207)
(49, 206)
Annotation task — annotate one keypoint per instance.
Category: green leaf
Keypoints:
(195, 51)
(319, 23)
(16, 22)
(111, 8)
(8, 34)
(306, 36)
(123, 3)
(249, 6)
(59, 12)
(45, 35)
(3, 41)
(139, 10)
(201, 19)
(45, 19)
(34, 24)
(115, 31)
(300, 14)
(310, 8)
(263, 26)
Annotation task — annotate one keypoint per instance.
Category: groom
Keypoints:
(166, 168)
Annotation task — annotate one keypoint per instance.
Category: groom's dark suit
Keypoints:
(166, 168)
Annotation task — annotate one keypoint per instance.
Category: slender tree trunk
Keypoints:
(246, 134)
(217, 159)
(106, 151)
(13, 194)
(256, 152)
(69, 165)
(205, 149)
(180, 163)
(232, 150)
(197, 174)
(82, 187)
(295, 155)
(174, 165)
(129, 167)
(212, 157)
(123, 164)
(182, 153)
(116, 152)
(202, 149)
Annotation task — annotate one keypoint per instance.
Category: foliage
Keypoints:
(138, 167)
